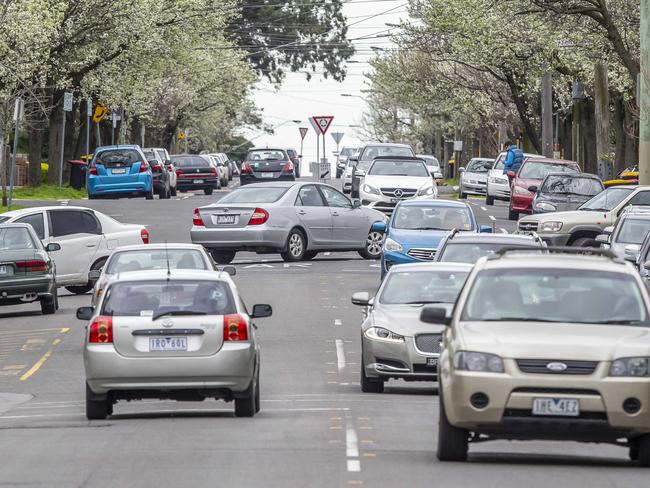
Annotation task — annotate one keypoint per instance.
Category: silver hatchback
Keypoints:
(181, 334)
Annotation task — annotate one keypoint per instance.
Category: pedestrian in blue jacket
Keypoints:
(514, 157)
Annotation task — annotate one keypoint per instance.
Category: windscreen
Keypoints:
(121, 156)
(189, 162)
(432, 218)
(346, 151)
(383, 167)
(555, 295)
(633, 231)
(607, 200)
(14, 238)
(150, 298)
(539, 171)
(265, 155)
(372, 152)
(431, 161)
(422, 287)
(479, 166)
(267, 194)
(572, 185)
(470, 252)
(123, 261)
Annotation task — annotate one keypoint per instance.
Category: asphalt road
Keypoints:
(316, 429)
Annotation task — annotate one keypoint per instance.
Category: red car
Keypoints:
(527, 180)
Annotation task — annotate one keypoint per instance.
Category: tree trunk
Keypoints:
(589, 124)
(54, 145)
(522, 109)
(35, 155)
(601, 122)
(619, 128)
(631, 153)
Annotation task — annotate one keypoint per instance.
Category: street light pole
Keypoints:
(644, 97)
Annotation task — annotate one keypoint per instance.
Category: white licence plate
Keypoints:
(4, 270)
(198, 181)
(118, 171)
(433, 362)
(266, 175)
(561, 407)
(167, 344)
(225, 219)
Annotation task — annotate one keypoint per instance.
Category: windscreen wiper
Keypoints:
(177, 312)
(424, 302)
(517, 319)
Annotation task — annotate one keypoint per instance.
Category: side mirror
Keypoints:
(486, 229)
(609, 229)
(361, 298)
(630, 253)
(461, 170)
(231, 270)
(84, 313)
(435, 315)
(602, 238)
(353, 160)
(646, 266)
(94, 274)
(379, 227)
(511, 174)
(53, 246)
(356, 203)
(532, 188)
(261, 311)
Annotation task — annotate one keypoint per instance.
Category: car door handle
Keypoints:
(302, 212)
(335, 214)
(90, 245)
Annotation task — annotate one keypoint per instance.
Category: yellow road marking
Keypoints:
(30, 331)
(56, 341)
(355, 482)
(36, 366)
(369, 454)
(65, 330)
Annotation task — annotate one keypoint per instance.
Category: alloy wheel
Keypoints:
(295, 245)
(374, 243)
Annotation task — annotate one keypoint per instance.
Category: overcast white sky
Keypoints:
(298, 99)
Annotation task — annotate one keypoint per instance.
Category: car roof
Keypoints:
(15, 225)
(385, 144)
(172, 275)
(266, 149)
(398, 158)
(160, 246)
(116, 146)
(575, 175)
(434, 203)
(277, 184)
(23, 211)
(438, 266)
(555, 260)
(542, 159)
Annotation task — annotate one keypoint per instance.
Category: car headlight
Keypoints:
(630, 367)
(381, 334)
(551, 226)
(519, 190)
(370, 189)
(391, 245)
(478, 361)
(545, 207)
(428, 191)
(497, 180)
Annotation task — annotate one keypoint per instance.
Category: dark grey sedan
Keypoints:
(27, 272)
(565, 191)
(297, 220)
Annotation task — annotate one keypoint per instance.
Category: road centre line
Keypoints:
(504, 231)
(351, 443)
(340, 354)
(42, 360)
(354, 465)
(483, 208)
(338, 322)
(492, 218)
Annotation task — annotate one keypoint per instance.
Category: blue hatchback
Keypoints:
(417, 227)
(117, 171)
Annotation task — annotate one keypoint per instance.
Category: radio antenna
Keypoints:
(169, 272)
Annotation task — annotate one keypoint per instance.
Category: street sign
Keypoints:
(181, 136)
(324, 170)
(337, 136)
(100, 112)
(458, 146)
(19, 109)
(303, 132)
(314, 125)
(67, 101)
(323, 122)
(89, 107)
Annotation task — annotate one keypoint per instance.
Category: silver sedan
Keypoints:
(395, 343)
(298, 220)
(179, 334)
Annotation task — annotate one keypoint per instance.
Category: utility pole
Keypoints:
(18, 114)
(89, 114)
(644, 99)
(547, 116)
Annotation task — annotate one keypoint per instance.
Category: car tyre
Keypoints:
(452, 441)
(83, 289)
(585, 242)
(512, 215)
(223, 257)
(246, 406)
(295, 247)
(97, 409)
(208, 191)
(370, 385)
(643, 450)
(172, 191)
(373, 247)
(49, 305)
(489, 200)
(309, 255)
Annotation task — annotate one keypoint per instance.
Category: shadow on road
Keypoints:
(547, 459)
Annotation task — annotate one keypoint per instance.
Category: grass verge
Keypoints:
(48, 192)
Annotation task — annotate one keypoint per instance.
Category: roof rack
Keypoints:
(590, 251)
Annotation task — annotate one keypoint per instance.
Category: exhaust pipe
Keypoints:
(29, 297)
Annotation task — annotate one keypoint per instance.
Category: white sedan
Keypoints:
(87, 237)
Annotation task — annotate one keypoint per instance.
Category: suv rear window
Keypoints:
(123, 261)
(266, 155)
(118, 156)
(189, 162)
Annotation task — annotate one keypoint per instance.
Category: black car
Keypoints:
(27, 273)
(295, 159)
(565, 191)
(267, 165)
(194, 172)
(159, 173)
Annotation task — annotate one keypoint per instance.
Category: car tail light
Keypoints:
(235, 328)
(99, 294)
(32, 265)
(259, 217)
(144, 235)
(92, 169)
(288, 168)
(144, 166)
(179, 172)
(213, 171)
(196, 218)
(100, 330)
(155, 167)
(246, 169)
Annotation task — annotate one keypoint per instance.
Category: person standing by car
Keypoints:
(514, 157)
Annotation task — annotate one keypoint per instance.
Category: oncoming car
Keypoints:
(181, 334)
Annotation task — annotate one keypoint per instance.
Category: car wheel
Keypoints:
(208, 191)
(245, 407)
(370, 385)
(83, 289)
(309, 255)
(49, 305)
(149, 194)
(97, 409)
(374, 244)
(295, 248)
(643, 448)
(489, 200)
(452, 441)
(512, 215)
(585, 242)
(172, 190)
(223, 257)
(347, 192)
(258, 405)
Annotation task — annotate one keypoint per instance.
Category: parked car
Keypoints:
(643, 260)
(222, 175)
(145, 257)
(390, 180)
(119, 171)
(221, 160)
(361, 161)
(162, 185)
(297, 220)
(195, 173)
(27, 273)
(266, 164)
(350, 166)
(86, 237)
(417, 226)
(434, 166)
(530, 175)
(498, 184)
(342, 159)
(581, 227)
(166, 160)
(546, 346)
(469, 248)
(565, 191)
(473, 178)
(625, 238)
(180, 335)
(395, 343)
(295, 159)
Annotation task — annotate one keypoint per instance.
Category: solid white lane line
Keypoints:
(483, 208)
(504, 231)
(354, 465)
(492, 218)
(351, 443)
(340, 354)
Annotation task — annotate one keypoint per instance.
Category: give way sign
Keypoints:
(323, 122)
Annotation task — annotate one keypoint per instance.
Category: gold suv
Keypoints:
(546, 346)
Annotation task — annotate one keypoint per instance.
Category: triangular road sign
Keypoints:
(303, 131)
(323, 122)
